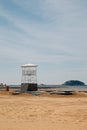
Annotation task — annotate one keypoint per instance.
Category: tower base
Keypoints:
(28, 87)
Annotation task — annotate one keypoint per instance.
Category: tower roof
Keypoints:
(29, 65)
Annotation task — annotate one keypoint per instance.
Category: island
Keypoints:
(74, 83)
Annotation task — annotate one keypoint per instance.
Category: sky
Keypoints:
(49, 33)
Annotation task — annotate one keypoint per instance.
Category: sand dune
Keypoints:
(27, 112)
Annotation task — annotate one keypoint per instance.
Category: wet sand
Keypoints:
(44, 112)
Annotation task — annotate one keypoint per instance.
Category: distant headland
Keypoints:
(74, 83)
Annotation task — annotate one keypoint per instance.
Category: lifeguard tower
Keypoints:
(29, 77)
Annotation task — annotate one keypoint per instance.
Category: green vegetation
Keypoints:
(74, 83)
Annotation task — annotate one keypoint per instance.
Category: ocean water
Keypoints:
(61, 86)
(56, 87)
(51, 86)
(64, 87)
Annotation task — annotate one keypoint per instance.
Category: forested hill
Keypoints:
(74, 83)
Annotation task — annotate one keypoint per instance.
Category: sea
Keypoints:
(55, 87)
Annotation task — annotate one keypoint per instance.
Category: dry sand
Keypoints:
(45, 112)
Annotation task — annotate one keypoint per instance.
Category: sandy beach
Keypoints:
(44, 112)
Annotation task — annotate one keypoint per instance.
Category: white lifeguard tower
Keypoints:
(29, 77)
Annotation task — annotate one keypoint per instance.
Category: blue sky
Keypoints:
(49, 33)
